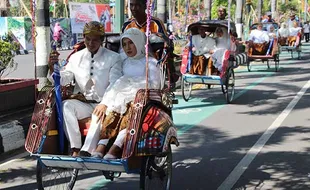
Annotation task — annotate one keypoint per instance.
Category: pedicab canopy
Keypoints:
(266, 25)
(210, 26)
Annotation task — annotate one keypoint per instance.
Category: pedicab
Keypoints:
(267, 51)
(291, 44)
(147, 148)
(211, 75)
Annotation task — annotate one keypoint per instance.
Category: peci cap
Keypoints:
(93, 27)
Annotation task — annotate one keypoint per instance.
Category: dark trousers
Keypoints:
(307, 37)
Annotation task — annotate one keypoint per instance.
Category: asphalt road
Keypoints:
(261, 141)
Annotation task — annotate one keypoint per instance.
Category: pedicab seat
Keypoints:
(84, 125)
(267, 53)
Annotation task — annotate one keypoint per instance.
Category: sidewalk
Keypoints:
(13, 129)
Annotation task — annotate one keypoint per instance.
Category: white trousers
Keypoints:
(119, 141)
(74, 110)
(93, 135)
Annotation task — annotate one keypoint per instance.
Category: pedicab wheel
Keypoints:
(228, 86)
(209, 86)
(55, 178)
(248, 63)
(156, 172)
(292, 56)
(186, 89)
(277, 62)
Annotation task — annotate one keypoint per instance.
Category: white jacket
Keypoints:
(202, 46)
(92, 75)
(259, 36)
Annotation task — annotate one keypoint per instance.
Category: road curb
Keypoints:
(13, 133)
(22, 52)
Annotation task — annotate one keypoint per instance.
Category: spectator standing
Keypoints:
(306, 30)
(221, 13)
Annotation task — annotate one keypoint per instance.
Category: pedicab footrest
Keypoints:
(203, 79)
(59, 161)
(260, 56)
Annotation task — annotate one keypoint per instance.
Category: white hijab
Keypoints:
(138, 38)
(284, 31)
(223, 41)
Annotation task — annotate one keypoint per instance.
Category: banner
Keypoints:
(81, 13)
(3, 26)
(17, 26)
(103, 13)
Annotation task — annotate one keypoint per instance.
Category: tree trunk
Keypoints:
(259, 10)
(161, 10)
(173, 8)
(208, 9)
(273, 8)
(238, 17)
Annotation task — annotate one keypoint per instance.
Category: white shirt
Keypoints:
(295, 31)
(92, 75)
(284, 32)
(306, 28)
(259, 36)
(202, 45)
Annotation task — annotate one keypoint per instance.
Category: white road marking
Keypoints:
(252, 153)
(13, 159)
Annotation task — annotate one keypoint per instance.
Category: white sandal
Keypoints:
(97, 155)
(109, 157)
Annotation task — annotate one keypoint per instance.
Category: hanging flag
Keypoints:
(52, 6)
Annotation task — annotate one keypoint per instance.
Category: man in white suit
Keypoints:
(93, 69)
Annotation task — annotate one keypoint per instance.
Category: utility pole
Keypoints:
(119, 15)
(42, 41)
(208, 9)
(161, 10)
(238, 17)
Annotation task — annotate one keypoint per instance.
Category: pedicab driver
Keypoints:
(93, 69)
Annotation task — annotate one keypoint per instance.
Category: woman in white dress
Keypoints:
(295, 33)
(283, 34)
(123, 91)
(284, 31)
(223, 43)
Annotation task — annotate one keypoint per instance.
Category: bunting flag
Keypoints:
(52, 6)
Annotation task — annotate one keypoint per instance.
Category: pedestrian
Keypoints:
(306, 30)
(57, 35)
(93, 69)
(221, 13)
